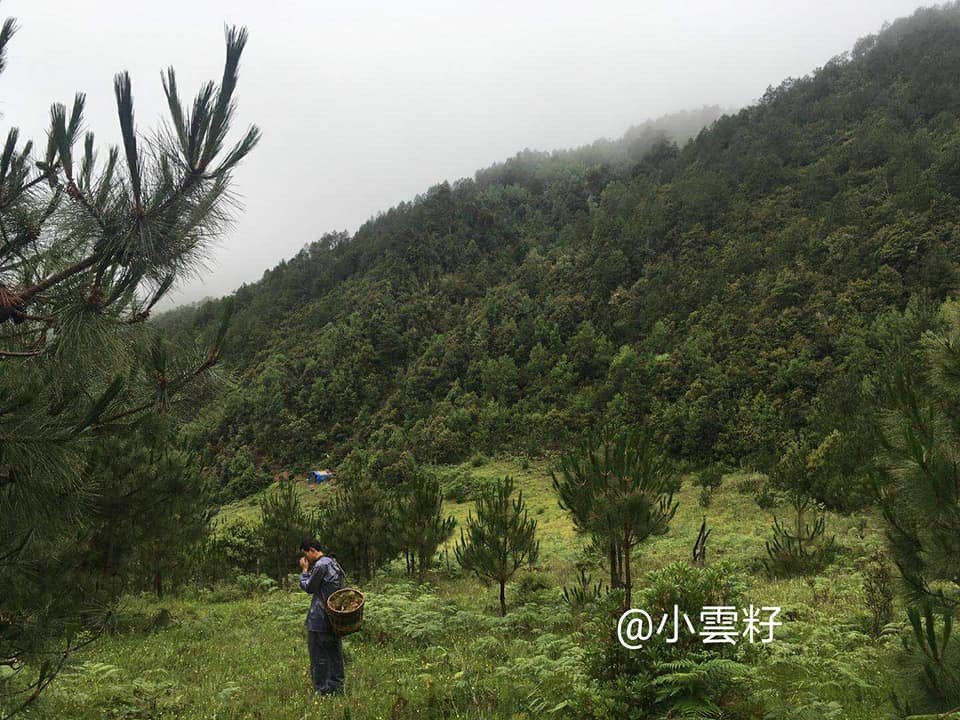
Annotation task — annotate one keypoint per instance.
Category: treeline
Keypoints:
(367, 525)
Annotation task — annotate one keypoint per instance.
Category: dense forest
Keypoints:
(737, 290)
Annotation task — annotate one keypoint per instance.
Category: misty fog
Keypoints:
(365, 104)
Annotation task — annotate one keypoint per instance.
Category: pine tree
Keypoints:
(499, 539)
(283, 525)
(359, 527)
(420, 521)
(580, 479)
(800, 545)
(150, 507)
(918, 478)
(619, 490)
(89, 244)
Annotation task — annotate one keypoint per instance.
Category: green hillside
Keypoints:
(732, 290)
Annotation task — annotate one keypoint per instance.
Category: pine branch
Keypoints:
(176, 108)
(6, 33)
(59, 277)
(224, 108)
(20, 354)
(124, 94)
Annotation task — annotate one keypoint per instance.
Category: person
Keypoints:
(320, 576)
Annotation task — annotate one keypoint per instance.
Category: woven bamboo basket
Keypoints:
(347, 622)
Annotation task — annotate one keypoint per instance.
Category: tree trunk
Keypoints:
(800, 509)
(503, 599)
(628, 578)
(614, 574)
(620, 575)
(421, 567)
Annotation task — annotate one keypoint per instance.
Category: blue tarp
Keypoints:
(319, 476)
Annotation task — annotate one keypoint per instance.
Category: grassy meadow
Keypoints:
(441, 650)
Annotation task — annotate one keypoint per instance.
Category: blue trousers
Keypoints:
(326, 662)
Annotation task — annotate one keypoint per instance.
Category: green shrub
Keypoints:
(234, 546)
(531, 583)
(802, 548)
(583, 592)
(878, 592)
(254, 584)
(709, 479)
(462, 486)
(662, 679)
(750, 485)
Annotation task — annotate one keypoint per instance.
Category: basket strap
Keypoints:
(340, 568)
(342, 573)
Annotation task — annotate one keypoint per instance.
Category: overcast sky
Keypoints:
(366, 104)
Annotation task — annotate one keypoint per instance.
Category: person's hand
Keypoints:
(304, 564)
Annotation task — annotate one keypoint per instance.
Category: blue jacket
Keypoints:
(325, 577)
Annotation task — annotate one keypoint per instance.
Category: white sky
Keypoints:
(366, 104)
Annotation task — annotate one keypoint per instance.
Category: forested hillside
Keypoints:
(739, 291)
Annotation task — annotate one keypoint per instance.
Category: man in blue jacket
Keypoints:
(320, 576)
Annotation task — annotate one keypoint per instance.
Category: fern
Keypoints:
(693, 688)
